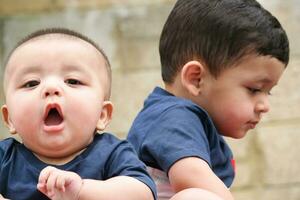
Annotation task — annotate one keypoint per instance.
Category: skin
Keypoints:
(2, 198)
(236, 101)
(61, 84)
(195, 194)
(241, 92)
(46, 74)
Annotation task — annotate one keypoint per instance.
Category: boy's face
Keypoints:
(238, 98)
(55, 91)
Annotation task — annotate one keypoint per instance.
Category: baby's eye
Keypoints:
(73, 82)
(30, 84)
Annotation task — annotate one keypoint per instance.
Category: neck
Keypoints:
(177, 90)
(58, 161)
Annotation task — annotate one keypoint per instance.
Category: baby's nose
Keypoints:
(52, 92)
(52, 89)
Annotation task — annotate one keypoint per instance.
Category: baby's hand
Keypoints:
(59, 184)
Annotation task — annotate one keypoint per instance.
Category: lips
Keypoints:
(53, 115)
(253, 124)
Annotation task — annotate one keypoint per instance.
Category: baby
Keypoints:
(57, 86)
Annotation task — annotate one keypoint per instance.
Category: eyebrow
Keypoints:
(266, 81)
(72, 67)
(75, 68)
(29, 69)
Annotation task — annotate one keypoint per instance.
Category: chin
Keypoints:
(240, 135)
(236, 135)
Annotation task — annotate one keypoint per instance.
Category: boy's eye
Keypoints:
(31, 84)
(254, 90)
(73, 82)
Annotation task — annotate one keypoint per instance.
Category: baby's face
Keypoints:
(55, 91)
(238, 98)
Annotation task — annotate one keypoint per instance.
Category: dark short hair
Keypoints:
(66, 32)
(219, 33)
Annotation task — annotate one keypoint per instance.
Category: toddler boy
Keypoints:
(219, 61)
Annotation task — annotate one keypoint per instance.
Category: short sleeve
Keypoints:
(178, 133)
(123, 161)
(6, 147)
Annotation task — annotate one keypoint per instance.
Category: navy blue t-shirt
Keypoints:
(106, 157)
(170, 128)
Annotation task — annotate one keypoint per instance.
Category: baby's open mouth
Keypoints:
(53, 117)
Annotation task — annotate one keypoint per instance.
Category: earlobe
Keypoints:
(192, 77)
(105, 116)
(7, 121)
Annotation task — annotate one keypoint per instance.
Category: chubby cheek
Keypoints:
(84, 115)
(25, 116)
(232, 117)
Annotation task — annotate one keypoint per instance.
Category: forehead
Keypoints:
(53, 49)
(257, 68)
(55, 39)
(59, 46)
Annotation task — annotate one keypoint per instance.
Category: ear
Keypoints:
(7, 121)
(105, 116)
(192, 77)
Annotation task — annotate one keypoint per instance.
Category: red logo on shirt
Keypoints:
(233, 164)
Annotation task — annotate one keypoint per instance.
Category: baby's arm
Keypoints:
(194, 172)
(120, 187)
(58, 184)
(2, 198)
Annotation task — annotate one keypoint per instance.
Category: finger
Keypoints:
(42, 188)
(44, 174)
(61, 182)
(43, 178)
(51, 182)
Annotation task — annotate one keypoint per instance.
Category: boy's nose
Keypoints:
(263, 105)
